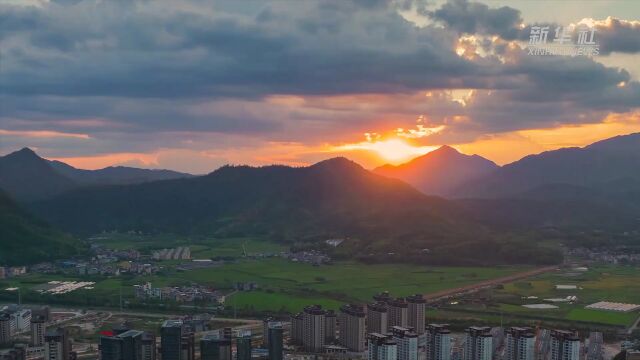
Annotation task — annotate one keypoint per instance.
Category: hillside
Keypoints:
(441, 171)
(115, 175)
(27, 240)
(26, 177)
(605, 162)
(334, 198)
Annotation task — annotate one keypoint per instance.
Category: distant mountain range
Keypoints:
(594, 188)
(494, 214)
(603, 165)
(385, 219)
(440, 172)
(26, 240)
(28, 177)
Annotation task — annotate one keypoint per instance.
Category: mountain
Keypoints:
(27, 240)
(596, 166)
(382, 217)
(589, 190)
(114, 175)
(28, 177)
(441, 171)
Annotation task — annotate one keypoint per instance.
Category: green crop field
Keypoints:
(602, 283)
(291, 285)
(201, 248)
(287, 285)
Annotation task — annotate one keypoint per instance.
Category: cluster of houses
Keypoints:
(7, 272)
(608, 255)
(179, 294)
(313, 257)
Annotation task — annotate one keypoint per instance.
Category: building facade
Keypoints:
(5, 328)
(215, 347)
(297, 329)
(565, 345)
(313, 323)
(478, 343)
(330, 327)
(38, 330)
(417, 306)
(381, 347)
(520, 344)
(276, 347)
(57, 344)
(398, 313)
(438, 342)
(407, 343)
(171, 340)
(352, 328)
(377, 318)
(243, 346)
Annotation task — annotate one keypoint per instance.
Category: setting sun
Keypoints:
(393, 150)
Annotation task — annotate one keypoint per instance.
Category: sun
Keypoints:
(393, 150)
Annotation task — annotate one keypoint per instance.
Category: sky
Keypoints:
(193, 85)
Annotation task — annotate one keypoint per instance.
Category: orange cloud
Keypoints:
(42, 134)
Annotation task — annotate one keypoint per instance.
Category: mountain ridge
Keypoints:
(439, 172)
(27, 177)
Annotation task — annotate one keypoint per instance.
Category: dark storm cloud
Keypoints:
(157, 67)
(616, 35)
(477, 18)
(330, 48)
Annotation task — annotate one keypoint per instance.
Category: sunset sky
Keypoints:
(192, 85)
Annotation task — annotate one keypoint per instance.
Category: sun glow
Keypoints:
(393, 150)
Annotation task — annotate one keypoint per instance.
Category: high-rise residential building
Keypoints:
(5, 328)
(381, 347)
(265, 330)
(125, 346)
(417, 306)
(377, 318)
(171, 340)
(297, 329)
(313, 319)
(215, 347)
(110, 348)
(275, 333)
(352, 327)
(478, 343)
(407, 341)
(57, 344)
(438, 342)
(398, 313)
(132, 344)
(148, 346)
(565, 345)
(243, 345)
(520, 344)
(188, 346)
(330, 327)
(38, 328)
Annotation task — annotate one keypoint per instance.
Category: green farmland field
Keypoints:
(601, 283)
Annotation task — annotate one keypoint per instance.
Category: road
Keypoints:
(441, 295)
